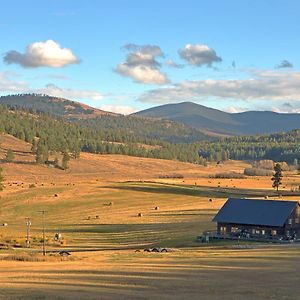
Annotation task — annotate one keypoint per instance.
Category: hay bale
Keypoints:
(210, 200)
(55, 195)
(4, 224)
(97, 217)
(140, 214)
(266, 197)
(157, 208)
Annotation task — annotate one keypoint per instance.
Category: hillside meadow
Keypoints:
(95, 206)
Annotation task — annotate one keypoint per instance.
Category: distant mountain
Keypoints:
(54, 105)
(215, 121)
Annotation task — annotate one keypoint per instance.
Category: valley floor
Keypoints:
(115, 202)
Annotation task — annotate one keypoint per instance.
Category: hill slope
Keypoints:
(53, 105)
(213, 120)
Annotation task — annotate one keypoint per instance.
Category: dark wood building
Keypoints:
(259, 218)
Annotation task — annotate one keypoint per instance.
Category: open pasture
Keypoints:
(108, 206)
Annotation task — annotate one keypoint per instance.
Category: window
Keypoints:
(273, 232)
(223, 229)
(263, 232)
(296, 220)
(290, 221)
(234, 229)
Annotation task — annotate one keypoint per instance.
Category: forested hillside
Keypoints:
(142, 137)
(47, 133)
(53, 105)
(277, 147)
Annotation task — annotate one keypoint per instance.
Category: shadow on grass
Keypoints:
(203, 191)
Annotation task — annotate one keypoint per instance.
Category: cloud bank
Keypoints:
(42, 54)
(265, 85)
(141, 64)
(7, 85)
(120, 109)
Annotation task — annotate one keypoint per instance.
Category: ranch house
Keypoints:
(254, 218)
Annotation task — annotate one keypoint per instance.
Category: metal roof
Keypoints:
(255, 212)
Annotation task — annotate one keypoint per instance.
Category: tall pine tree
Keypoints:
(277, 177)
(1, 179)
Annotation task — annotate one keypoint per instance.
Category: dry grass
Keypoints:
(83, 215)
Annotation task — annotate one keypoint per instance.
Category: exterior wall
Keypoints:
(292, 224)
(232, 229)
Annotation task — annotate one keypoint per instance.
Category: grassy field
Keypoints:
(95, 206)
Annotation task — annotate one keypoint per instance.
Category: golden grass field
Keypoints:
(95, 206)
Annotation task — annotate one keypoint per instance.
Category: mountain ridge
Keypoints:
(220, 122)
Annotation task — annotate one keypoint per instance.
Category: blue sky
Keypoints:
(131, 55)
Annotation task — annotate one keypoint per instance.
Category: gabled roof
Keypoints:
(255, 212)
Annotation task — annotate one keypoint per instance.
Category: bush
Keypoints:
(176, 176)
(257, 172)
(228, 175)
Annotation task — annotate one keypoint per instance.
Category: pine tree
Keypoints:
(10, 156)
(277, 177)
(65, 161)
(1, 179)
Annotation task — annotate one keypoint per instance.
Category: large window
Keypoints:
(223, 229)
(234, 229)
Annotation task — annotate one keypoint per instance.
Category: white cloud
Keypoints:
(42, 54)
(172, 64)
(265, 85)
(120, 109)
(53, 90)
(234, 110)
(9, 86)
(141, 64)
(199, 55)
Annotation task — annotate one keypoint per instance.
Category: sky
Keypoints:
(127, 55)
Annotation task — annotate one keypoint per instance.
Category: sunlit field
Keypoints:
(106, 207)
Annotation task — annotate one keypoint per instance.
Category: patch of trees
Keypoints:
(1, 179)
(266, 168)
(277, 147)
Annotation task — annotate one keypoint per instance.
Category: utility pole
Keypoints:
(43, 212)
(28, 224)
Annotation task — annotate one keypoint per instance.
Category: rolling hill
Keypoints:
(53, 105)
(219, 122)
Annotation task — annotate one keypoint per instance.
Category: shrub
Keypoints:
(257, 172)
(228, 175)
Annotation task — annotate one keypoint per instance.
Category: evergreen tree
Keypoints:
(65, 161)
(277, 177)
(10, 156)
(42, 152)
(1, 179)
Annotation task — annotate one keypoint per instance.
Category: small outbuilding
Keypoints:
(259, 218)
